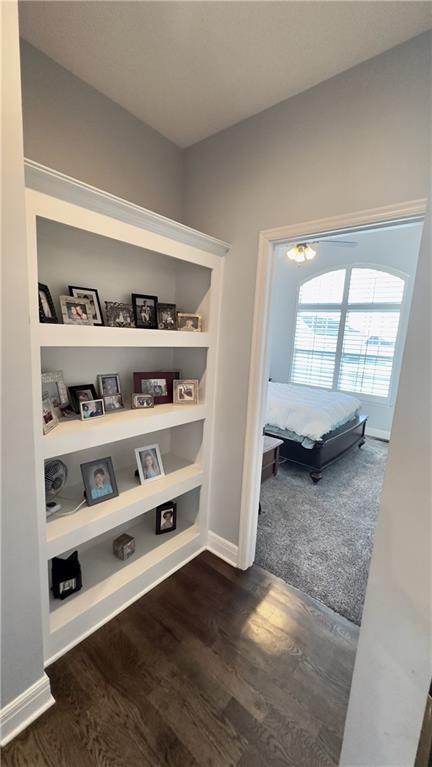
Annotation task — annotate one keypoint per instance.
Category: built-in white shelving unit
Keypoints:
(78, 235)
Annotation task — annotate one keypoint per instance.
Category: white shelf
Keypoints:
(134, 499)
(103, 574)
(72, 435)
(91, 336)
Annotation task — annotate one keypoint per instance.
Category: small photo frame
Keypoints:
(81, 393)
(93, 408)
(49, 418)
(93, 297)
(76, 311)
(191, 323)
(119, 315)
(145, 310)
(166, 518)
(157, 384)
(166, 317)
(186, 392)
(110, 391)
(47, 312)
(149, 463)
(53, 386)
(99, 481)
(142, 401)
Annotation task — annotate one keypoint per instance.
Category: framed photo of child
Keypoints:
(99, 480)
(166, 518)
(149, 463)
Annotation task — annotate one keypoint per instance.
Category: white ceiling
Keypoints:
(190, 69)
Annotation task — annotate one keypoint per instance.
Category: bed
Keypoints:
(317, 427)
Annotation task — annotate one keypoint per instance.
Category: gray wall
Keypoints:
(393, 248)
(357, 141)
(21, 619)
(73, 128)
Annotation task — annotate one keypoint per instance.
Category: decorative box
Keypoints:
(66, 575)
(124, 546)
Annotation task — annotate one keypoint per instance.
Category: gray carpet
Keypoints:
(319, 537)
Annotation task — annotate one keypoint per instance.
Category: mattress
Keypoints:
(305, 414)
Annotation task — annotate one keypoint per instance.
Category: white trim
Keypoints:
(58, 185)
(222, 548)
(260, 362)
(377, 433)
(24, 709)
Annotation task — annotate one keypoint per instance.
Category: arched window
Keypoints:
(346, 330)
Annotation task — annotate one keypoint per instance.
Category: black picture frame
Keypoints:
(93, 296)
(160, 511)
(42, 312)
(171, 309)
(119, 315)
(100, 467)
(74, 399)
(153, 323)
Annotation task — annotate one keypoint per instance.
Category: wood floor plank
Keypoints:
(213, 668)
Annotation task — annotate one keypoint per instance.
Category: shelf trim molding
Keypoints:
(25, 708)
(55, 184)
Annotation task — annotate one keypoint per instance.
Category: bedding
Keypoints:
(305, 414)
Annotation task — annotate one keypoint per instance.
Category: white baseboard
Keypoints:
(24, 709)
(378, 433)
(222, 548)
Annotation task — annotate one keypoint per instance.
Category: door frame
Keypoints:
(260, 358)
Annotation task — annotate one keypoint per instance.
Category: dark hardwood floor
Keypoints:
(215, 667)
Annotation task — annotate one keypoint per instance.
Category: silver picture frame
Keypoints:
(76, 311)
(54, 387)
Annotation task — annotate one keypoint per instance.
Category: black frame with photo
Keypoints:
(78, 292)
(135, 297)
(104, 464)
(89, 402)
(164, 307)
(164, 507)
(42, 316)
(73, 394)
(113, 308)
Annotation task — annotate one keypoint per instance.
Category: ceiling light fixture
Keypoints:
(301, 252)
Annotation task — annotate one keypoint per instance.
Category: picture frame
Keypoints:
(158, 384)
(54, 387)
(149, 462)
(142, 401)
(99, 480)
(93, 408)
(47, 312)
(166, 517)
(166, 316)
(110, 391)
(81, 393)
(49, 418)
(189, 323)
(76, 311)
(145, 310)
(93, 296)
(186, 391)
(119, 314)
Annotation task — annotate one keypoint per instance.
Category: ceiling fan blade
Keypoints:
(337, 243)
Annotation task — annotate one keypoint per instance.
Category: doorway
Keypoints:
(314, 330)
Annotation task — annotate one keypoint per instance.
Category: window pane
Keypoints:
(315, 347)
(367, 352)
(325, 289)
(372, 286)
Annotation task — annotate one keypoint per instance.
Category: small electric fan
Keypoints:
(55, 479)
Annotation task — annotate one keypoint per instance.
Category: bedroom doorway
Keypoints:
(331, 314)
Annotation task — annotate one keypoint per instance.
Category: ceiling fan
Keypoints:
(303, 251)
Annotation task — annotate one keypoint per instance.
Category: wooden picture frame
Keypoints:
(159, 398)
(47, 312)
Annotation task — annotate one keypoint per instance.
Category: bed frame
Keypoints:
(327, 450)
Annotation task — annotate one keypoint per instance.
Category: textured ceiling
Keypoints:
(190, 69)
